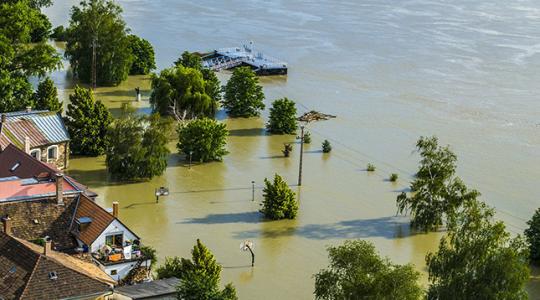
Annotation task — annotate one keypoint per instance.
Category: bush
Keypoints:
(150, 253)
(282, 117)
(326, 147)
(59, 34)
(393, 177)
(532, 235)
(205, 138)
(279, 200)
(243, 94)
(370, 168)
(307, 138)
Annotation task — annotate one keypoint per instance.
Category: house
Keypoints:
(163, 289)
(56, 207)
(40, 133)
(37, 272)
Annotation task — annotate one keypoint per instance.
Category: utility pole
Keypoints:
(252, 190)
(301, 154)
(94, 63)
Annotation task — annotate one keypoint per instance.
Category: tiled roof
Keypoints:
(156, 288)
(100, 220)
(31, 220)
(28, 274)
(42, 127)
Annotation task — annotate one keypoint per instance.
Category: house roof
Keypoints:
(27, 274)
(41, 126)
(13, 188)
(150, 289)
(31, 220)
(30, 167)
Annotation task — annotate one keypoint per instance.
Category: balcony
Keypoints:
(108, 256)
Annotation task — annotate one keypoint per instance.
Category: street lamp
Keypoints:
(301, 154)
(162, 191)
(190, 155)
(252, 190)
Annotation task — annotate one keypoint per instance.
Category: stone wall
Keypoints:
(62, 161)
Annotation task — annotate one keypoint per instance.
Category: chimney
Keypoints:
(47, 248)
(4, 118)
(59, 189)
(7, 225)
(27, 144)
(115, 209)
(28, 109)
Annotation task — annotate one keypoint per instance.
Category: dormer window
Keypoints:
(36, 153)
(52, 153)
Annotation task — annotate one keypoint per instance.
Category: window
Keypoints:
(114, 272)
(114, 240)
(36, 153)
(52, 153)
(15, 166)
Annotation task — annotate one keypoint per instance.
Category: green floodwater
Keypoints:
(391, 71)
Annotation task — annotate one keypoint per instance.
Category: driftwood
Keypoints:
(314, 116)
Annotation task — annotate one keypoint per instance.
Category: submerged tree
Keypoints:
(203, 139)
(477, 259)
(279, 200)
(436, 193)
(97, 25)
(283, 117)
(143, 56)
(137, 146)
(46, 96)
(533, 237)
(199, 277)
(357, 271)
(243, 94)
(181, 92)
(87, 121)
(212, 85)
(20, 59)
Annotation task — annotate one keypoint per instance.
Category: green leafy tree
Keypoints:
(42, 31)
(477, 259)
(99, 23)
(137, 146)
(199, 276)
(357, 271)
(46, 96)
(181, 92)
(204, 138)
(283, 117)
(533, 237)
(212, 83)
(143, 56)
(243, 94)
(59, 34)
(20, 59)
(436, 193)
(87, 121)
(279, 200)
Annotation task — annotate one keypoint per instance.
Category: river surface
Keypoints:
(466, 71)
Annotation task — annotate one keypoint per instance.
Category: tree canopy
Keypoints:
(212, 85)
(282, 117)
(199, 276)
(357, 271)
(279, 200)
(477, 259)
(137, 146)
(18, 58)
(46, 96)
(533, 237)
(181, 92)
(204, 138)
(143, 56)
(99, 23)
(243, 94)
(87, 121)
(436, 193)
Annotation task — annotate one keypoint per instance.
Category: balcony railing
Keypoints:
(118, 255)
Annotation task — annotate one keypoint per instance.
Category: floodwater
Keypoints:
(466, 71)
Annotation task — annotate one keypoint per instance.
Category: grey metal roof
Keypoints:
(154, 288)
(50, 124)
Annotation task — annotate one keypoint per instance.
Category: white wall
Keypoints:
(122, 270)
(115, 227)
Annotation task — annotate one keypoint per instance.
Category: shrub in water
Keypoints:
(326, 147)
(307, 138)
(370, 168)
(393, 177)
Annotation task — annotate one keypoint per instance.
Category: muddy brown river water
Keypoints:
(466, 71)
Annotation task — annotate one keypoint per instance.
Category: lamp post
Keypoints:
(190, 155)
(301, 154)
(252, 190)
(162, 191)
